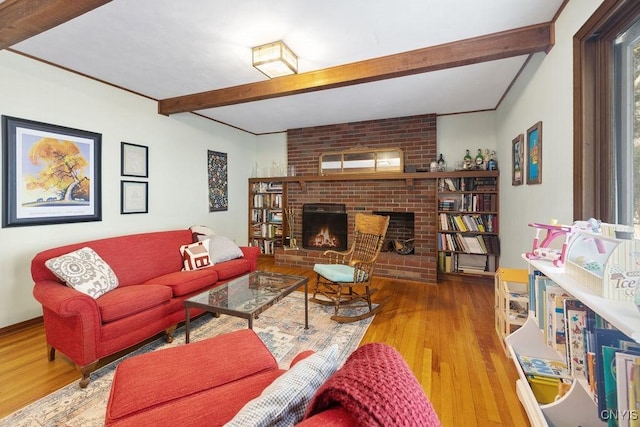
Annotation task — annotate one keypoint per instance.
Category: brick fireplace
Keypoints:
(416, 136)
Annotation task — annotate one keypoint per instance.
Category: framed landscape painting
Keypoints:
(534, 154)
(51, 174)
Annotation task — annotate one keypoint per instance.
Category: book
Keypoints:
(604, 338)
(543, 367)
(576, 314)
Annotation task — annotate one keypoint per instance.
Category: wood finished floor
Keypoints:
(445, 333)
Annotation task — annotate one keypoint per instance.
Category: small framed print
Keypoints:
(134, 197)
(135, 160)
(517, 156)
(534, 154)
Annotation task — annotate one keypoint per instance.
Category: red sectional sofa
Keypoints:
(230, 378)
(148, 299)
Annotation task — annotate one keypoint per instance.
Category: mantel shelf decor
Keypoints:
(361, 159)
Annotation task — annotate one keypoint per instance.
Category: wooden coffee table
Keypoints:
(247, 296)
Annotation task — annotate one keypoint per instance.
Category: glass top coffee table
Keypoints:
(248, 296)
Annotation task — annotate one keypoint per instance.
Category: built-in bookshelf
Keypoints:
(267, 207)
(467, 222)
(582, 317)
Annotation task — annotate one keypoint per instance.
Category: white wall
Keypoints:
(178, 191)
(460, 132)
(544, 91)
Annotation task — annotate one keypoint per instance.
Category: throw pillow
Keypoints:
(283, 402)
(84, 271)
(195, 255)
(222, 248)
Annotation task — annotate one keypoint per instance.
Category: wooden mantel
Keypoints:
(380, 176)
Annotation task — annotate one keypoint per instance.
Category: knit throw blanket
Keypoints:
(376, 386)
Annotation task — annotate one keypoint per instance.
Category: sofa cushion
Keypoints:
(195, 255)
(186, 282)
(128, 300)
(221, 248)
(284, 402)
(214, 362)
(231, 269)
(85, 271)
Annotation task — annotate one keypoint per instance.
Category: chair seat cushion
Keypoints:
(338, 273)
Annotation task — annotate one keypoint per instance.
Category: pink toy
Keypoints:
(541, 249)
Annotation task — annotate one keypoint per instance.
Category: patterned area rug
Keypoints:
(281, 328)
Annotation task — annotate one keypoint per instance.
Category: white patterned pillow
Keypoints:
(195, 255)
(84, 271)
(284, 402)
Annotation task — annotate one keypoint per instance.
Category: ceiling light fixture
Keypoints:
(275, 59)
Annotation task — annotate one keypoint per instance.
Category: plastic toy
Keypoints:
(541, 249)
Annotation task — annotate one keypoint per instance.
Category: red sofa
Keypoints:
(147, 301)
(217, 381)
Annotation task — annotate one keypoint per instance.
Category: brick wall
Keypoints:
(416, 136)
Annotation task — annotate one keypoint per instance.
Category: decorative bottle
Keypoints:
(492, 164)
(467, 161)
(479, 159)
(442, 165)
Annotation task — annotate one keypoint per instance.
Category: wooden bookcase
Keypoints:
(267, 214)
(511, 301)
(467, 204)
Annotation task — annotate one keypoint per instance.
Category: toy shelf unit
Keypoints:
(580, 311)
(511, 301)
(267, 219)
(467, 226)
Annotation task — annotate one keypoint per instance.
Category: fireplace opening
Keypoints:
(400, 236)
(324, 226)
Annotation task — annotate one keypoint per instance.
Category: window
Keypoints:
(606, 114)
(626, 126)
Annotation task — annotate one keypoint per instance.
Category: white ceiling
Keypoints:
(167, 48)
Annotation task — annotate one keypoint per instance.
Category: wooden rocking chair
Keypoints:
(346, 278)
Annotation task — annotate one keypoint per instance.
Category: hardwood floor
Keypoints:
(445, 333)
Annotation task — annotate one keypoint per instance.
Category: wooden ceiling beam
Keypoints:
(521, 41)
(21, 19)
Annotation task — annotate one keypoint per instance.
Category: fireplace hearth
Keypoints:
(324, 226)
(400, 236)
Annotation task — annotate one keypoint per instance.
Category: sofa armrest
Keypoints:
(65, 301)
(251, 254)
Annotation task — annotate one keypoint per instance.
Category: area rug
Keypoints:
(281, 328)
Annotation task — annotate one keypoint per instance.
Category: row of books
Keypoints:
(266, 230)
(471, 202)
(468, 222)
(465, 263)
(592, 349)
(471, 244)
(266, 215)
(267, 247)
(273, 201)
(266, 187)
(468, 184)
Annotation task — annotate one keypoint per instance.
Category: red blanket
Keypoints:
(377, 387)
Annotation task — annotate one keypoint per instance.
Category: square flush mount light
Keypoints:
(275, 59)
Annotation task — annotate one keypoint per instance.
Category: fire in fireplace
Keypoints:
(324, 226)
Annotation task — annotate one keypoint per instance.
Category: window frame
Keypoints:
(594, 192)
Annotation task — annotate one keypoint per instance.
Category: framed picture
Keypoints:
(134, 197)
(135, 160)
(51, 174)
(534, 154)
(517, 156)
(217, 176)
